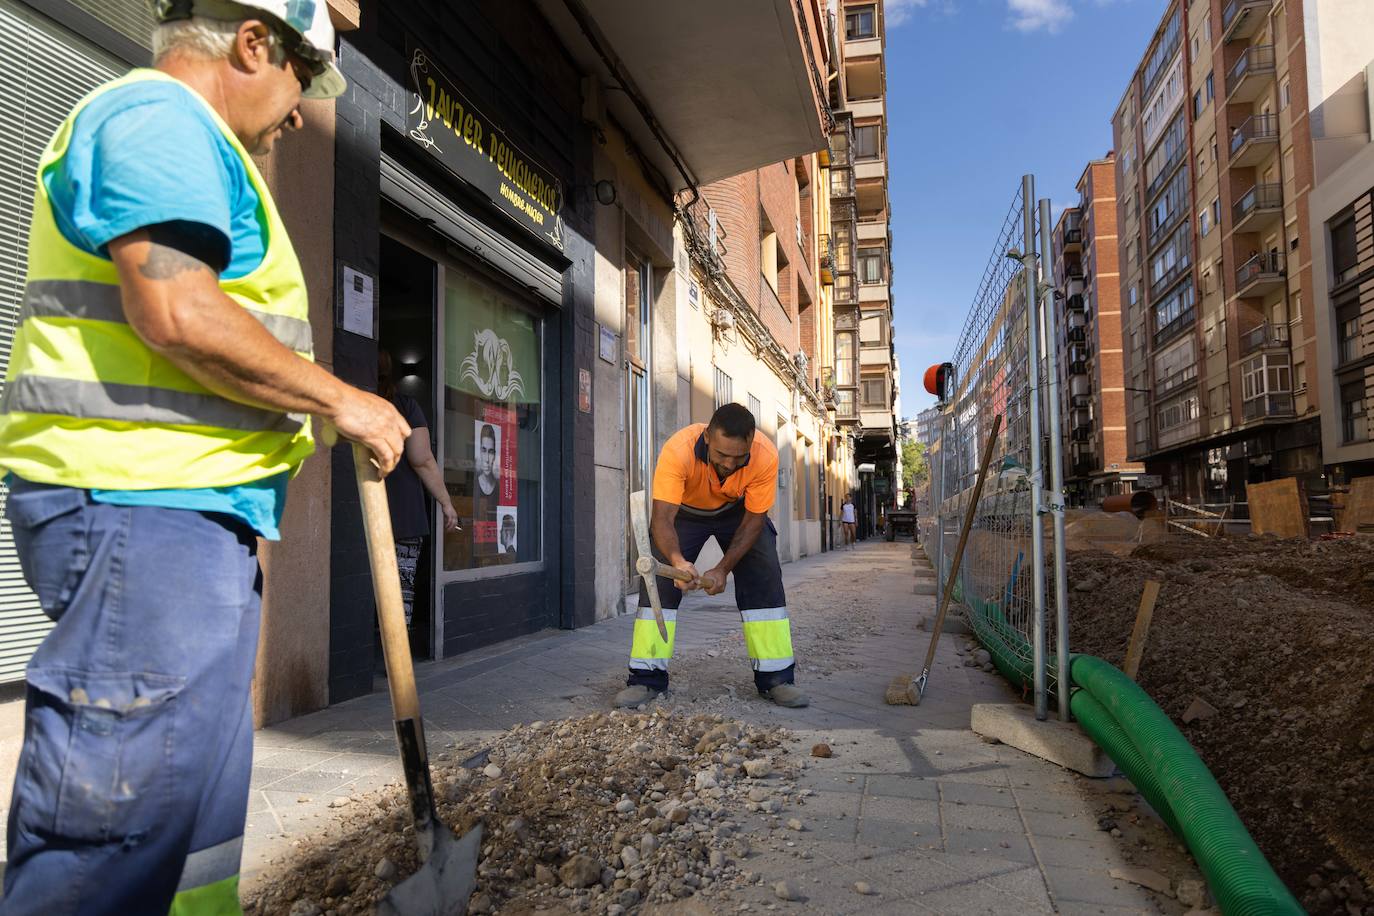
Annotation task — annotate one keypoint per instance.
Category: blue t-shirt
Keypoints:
(151, 153)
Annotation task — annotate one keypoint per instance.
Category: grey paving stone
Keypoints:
(975, 794)
(1072, 824)
(991, 843)
(1098, 854)
(910, 810)
(982, 817)
(878, 831)
(903, 787)
(1081, 885)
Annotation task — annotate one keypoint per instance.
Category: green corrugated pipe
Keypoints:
(1165, 764)
(1122, 719)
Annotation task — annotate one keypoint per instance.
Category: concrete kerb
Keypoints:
(1062, 743)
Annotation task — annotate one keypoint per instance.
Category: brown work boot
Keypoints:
(788, 695)
(634, 696)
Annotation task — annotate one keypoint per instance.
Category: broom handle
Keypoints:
(963, 539)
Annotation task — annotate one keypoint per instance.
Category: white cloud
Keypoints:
(1033, 15)
(895, 12)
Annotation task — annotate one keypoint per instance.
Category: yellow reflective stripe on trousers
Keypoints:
(647, 649)
(768, 638)
(209, 884)
(90, 301)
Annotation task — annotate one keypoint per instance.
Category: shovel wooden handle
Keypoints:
(386, 585)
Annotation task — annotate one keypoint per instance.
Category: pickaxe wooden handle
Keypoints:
(648, 566)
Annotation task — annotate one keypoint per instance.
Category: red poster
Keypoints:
(497, 480)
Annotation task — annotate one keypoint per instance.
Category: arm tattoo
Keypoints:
(164, 263)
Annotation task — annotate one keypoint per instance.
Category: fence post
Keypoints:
(1037, 472)
(1061, 578)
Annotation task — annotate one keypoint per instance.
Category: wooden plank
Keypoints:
(1359, 505)
(1278, 507)
(1136, 648)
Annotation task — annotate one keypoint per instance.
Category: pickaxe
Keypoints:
(646, 565)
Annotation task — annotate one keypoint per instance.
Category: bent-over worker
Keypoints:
(718, 480)
(157, 401)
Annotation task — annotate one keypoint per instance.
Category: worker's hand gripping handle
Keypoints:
(386, 585)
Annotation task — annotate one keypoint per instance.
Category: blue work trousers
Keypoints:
(132, 785)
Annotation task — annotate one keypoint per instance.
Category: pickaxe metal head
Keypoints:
(645, 563)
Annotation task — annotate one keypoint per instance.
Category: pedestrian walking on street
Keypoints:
(718, 480)
(158, 399)
(848, 520)
(408, 490)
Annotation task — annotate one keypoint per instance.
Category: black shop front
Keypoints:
(457, 241)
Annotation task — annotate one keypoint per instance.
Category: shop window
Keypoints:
(493, 439)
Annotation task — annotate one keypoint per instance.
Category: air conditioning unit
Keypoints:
(723, 320)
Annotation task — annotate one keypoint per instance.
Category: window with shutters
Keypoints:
(725, 389)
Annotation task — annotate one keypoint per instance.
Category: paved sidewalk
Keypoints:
(934, 819)
(912, 803)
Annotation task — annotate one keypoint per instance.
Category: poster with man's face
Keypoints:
(505, 517)
(487, 451)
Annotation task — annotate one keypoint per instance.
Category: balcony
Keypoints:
(681, 54)
(1073, 272)
(1264, 337)
(1172, 329)
(1176, 380)
(1242, 18)
(1275, 405)
(1254, 140)
(827, 251)
(1189, 429)
(1077, 335)
(1260, 275)
(1078, 367)
(1075, 302)
(869, 169)
(1258, 208)
(1250, 75)
(1080, 401)
(873, 228)
(1082, 434)
(1073, 239)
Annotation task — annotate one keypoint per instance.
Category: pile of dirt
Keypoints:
(605, 813)
(1262, 652)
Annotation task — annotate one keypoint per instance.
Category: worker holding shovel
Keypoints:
(157, 401)
(718, 480)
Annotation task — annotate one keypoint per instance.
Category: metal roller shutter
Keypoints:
(44, 71)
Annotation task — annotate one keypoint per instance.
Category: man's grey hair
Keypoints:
(201, 36)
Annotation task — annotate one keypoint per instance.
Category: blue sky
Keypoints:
(979, 93)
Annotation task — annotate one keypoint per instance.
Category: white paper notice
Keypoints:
(357, 316)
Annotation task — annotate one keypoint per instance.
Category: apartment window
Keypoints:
(1204, 223)
(1216, 212)
(1214, 149)
(866, 142)
(1172, 259)
(725, 389)
(1169, 207)
(844, 358)
(1194, 46)
(1210, 91)
(1263, 375)
(1285, 94)
(1300, 376)
(755, 408)
(1197, 104)
(1174, 415)
(844, 402)
(861, 22)
(1174, 310)
(1297, 306)
(870, 265)
(1345, 254)
(1207, 30)
(1348, 331)
(874, 392)
(1354, 420)
(872, 330)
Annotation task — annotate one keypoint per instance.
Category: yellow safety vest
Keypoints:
(88, 404)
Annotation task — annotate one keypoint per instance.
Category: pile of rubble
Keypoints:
(1260, 651)
(605, 814)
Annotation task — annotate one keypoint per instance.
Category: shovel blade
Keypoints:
(442, 886)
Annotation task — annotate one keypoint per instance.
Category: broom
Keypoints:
(907, 689)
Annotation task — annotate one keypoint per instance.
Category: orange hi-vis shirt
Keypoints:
(684, 476)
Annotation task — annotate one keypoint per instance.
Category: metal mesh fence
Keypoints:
(1001, 586)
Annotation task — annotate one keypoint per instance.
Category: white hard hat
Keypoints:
(305, 27)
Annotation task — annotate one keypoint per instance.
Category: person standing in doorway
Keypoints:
(407, 486)
(848, 520)
(718, 480)
(157, 401)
